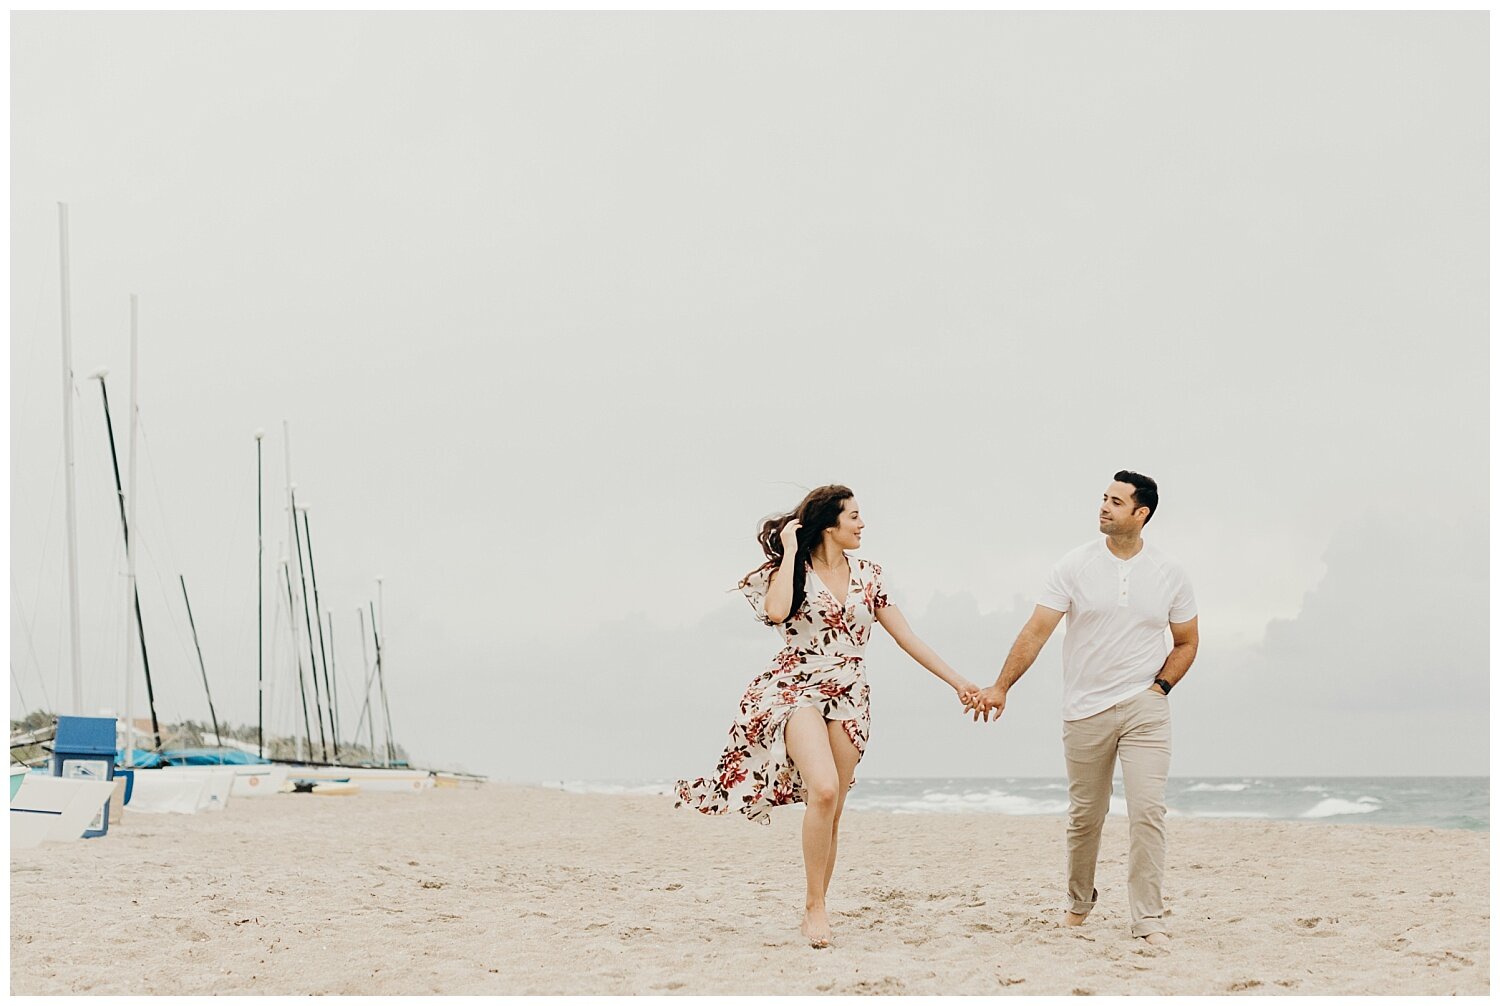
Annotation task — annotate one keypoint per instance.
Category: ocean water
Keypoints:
(1417, 801)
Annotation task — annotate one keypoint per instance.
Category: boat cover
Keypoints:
(192, 756)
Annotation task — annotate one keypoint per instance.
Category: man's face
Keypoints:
(1118, 513)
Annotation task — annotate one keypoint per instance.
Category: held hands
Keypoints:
(985, 701)
(967, 691)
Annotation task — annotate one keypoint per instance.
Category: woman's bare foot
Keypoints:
(1157, 939)
(1073, 919)
(815, 928)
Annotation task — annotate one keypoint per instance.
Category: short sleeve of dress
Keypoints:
(878, 587)
(755, 588)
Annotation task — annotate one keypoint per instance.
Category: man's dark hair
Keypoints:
(1145, 491)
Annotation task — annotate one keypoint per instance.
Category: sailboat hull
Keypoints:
(52, 809)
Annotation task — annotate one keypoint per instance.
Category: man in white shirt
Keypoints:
(1121, 599)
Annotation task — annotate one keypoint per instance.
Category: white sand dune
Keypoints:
(510, 889)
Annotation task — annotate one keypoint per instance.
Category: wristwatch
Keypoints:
(1166, 689)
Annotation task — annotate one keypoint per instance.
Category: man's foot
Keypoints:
(815, 928)
(1157, 939)
(1073, 919)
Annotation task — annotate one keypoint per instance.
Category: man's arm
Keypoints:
(1184, 650)
(1023, 653)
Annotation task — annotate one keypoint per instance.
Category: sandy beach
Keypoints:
(515, 890)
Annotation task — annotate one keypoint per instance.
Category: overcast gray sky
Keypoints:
(558, 306)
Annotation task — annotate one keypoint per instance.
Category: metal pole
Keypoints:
(390, 747)
(291, 610)
(135, 627)
(333, 662)
(333, 723)
(260, 610)
(74, 636)
(369, 681)
(202, 669)
(291, 515)
(130, 549)
(312, 656)
(390, 737)
(131, 606)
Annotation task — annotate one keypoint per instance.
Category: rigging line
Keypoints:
(229, 555)
(150, 466)
(238, 625)
(19, 694)
(36, 600)
(161, 509)
(272, 691)
(31, 645)
(62, 631)
(167, 605)
(36, 596)
(171, 613)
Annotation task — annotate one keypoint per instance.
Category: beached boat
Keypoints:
(258, 780)
(218, 783)
(157, 791)
(380, 780)
(49, 808)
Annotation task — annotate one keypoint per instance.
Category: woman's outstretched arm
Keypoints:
(896, 624)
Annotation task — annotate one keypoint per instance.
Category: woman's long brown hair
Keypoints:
(818, 511)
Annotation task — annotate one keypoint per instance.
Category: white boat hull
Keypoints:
(51, 809)
(215, 795)
(248, 780)
(380, 780)
(260, 780)
(160, 791)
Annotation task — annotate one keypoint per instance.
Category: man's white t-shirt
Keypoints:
(1117, 610)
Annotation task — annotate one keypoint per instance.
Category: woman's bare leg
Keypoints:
(808, 748)
(846, 758)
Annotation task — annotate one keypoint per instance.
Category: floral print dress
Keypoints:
(822, 666)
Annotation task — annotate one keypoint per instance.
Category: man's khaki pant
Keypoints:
(1139, 730)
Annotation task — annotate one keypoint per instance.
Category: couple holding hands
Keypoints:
(803, 723)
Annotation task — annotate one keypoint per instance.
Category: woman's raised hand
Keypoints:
(789, 537)
(968, 692)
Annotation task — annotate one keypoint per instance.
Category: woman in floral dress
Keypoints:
(804, 721)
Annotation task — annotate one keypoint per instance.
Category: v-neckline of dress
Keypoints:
(848, 587)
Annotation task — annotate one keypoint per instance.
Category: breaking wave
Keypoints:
(1334, 807)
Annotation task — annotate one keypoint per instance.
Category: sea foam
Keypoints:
(1334, 807)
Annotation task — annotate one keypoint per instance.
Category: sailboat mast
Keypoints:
(312, 655)
(130, 550)
(333, 662)
(202, 669)
(291, 610)
(390, 735)
(260, 609)
(135, 628)
(76, 654)
(333, 723)
(369, 680)
(390, 746)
